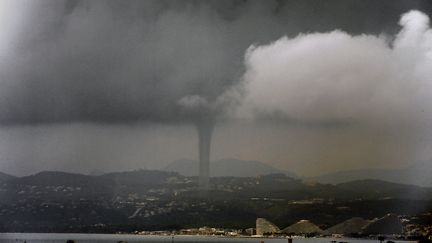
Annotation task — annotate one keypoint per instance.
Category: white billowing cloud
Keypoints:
(193, 102)
(12, 17)
(416, 25)
(334, 76)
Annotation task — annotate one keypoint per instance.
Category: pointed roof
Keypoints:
(350, 226)
(302, 227)
(389, 224)
(264, 226)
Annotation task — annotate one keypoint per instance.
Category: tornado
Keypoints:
(205, 130)
(203, 114)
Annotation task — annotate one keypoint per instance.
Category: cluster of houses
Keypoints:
(390, 224)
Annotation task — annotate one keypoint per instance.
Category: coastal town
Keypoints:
(164, 203)
(391, 226)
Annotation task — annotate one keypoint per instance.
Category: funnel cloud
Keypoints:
(309, 86)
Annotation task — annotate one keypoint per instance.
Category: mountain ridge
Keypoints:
(227, 167)
(418, 174)
(5, 176)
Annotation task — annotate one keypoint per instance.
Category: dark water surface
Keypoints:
(111, 238)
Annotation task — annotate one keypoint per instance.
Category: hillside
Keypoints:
(271, 185)
(226, 167)
(5, 177)
(139, 177)
(146, 199)
(55, 178)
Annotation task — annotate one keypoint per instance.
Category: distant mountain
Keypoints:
(56, 178)
(383, 190)
(139, 177)
(415, 175)
(96, 172)
(5, 177)
(226, 167)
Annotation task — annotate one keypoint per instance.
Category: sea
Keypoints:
(116, 238)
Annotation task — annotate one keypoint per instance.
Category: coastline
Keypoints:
(60, 237)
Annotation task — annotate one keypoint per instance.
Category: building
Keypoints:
(348, 227)
(264, 226)
(302, 227)
(388, 225)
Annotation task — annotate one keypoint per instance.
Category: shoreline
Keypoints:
(130, 235)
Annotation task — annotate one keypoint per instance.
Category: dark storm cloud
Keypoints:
(127, 61)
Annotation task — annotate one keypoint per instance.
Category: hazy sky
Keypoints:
(307, 86)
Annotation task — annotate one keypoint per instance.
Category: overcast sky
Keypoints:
(306, 86)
